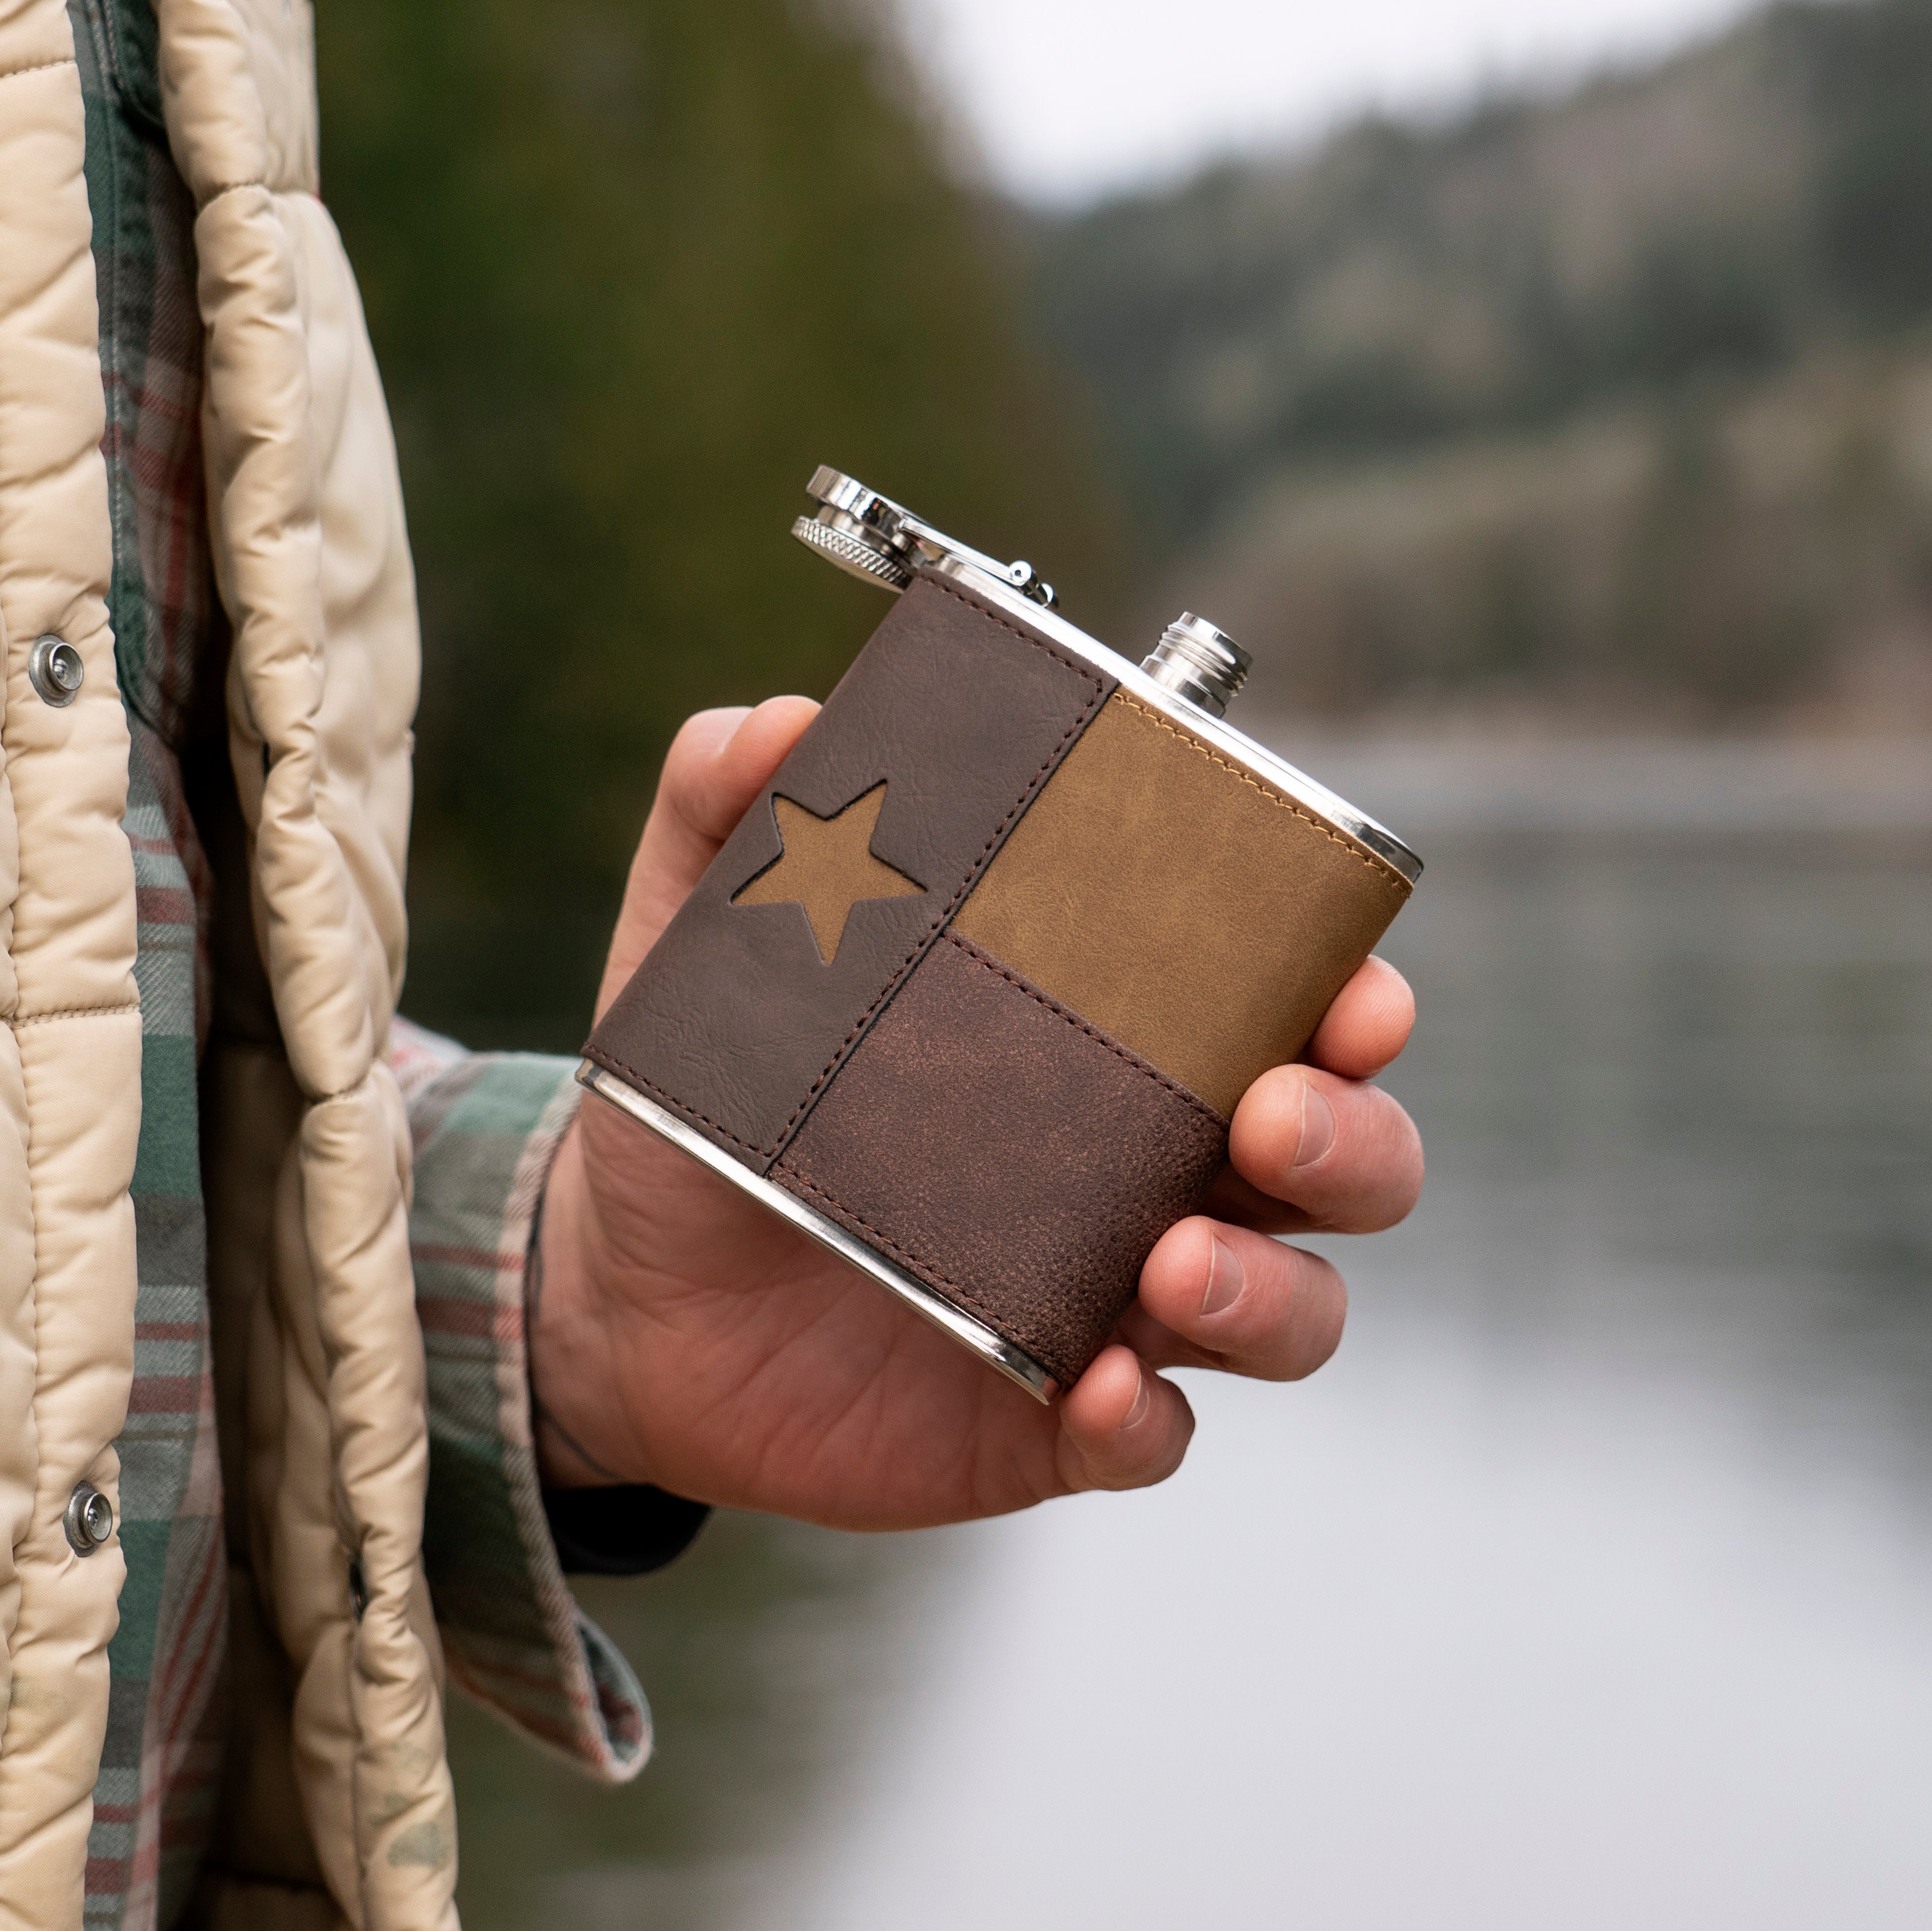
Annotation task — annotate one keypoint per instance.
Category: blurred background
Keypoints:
(1545, 397)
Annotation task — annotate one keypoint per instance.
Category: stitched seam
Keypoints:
(107, 42)
(973, 870)
(107, 33)
(39, 66)
(74, 1012)
(986, 610)
(1145, 1067)
(1384, 873)
(605, 1058)
(924, 1269)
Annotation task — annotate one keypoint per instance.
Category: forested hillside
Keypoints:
(1618, 401)
(1615, 407)
(632, 270)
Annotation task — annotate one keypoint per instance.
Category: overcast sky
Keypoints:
(1067, 98)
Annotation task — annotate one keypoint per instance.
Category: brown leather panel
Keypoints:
(737, 1020)
(1201, 917)
(828, 867)
(1007, 1153)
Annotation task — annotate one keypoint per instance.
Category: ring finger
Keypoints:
(1214, 1296)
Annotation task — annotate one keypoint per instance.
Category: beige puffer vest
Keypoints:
(313, 567)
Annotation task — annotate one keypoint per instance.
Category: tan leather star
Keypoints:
(828, 867)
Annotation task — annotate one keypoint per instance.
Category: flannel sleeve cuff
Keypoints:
(486, 1127)
(628, 1531)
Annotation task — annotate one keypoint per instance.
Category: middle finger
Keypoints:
(1342, 1151)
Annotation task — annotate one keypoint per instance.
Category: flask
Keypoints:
(971, 991)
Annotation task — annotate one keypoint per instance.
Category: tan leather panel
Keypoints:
(827, 868)
(1166, 894)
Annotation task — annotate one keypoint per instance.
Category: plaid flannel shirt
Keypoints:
(484, 1127)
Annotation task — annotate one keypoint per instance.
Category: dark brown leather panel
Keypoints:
(1007, 1153)
(1198, 915)
(737, 1020)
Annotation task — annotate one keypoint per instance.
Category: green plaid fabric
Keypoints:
(485, 1128)
(162, 1756)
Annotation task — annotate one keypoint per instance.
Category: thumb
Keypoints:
(717, 765)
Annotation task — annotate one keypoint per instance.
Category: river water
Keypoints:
(1590, 1585)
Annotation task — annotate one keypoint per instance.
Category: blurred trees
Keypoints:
(1615, 398)
(1753, 554)
(632, 268)
(1611, 403)
(1870, 71)
(1715, 216)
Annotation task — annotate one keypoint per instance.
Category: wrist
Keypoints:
(576, 1417)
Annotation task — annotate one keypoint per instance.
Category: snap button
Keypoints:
(89, 1520)
(55, 669)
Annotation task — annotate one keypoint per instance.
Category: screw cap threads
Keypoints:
(1197, 660)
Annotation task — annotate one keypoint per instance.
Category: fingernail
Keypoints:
(1143, 1400)
(1224, 1279)
(1318, 1126)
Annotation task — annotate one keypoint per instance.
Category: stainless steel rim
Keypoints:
(993, 1349)
(1236, 745)
(1194, 671)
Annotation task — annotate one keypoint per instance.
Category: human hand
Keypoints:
(686, 1337)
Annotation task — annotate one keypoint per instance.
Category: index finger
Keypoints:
(717, 765)
(1368, 1025)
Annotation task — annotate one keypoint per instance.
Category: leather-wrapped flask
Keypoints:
(972, 990)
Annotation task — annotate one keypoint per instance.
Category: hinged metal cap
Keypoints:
(1200, 662)
(870, 537)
